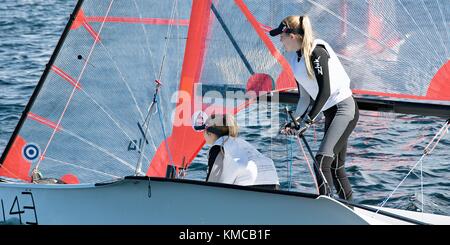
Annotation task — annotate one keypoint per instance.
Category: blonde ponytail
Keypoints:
(306, 40)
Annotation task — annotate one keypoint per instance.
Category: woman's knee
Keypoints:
(339, 172)
(324, 162)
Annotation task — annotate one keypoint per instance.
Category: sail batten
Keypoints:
(131, 20)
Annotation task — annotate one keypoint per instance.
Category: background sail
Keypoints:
(394, 48)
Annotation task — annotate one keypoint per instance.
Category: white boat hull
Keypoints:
(138, 200)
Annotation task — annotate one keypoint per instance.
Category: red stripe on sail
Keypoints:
(43, 121)
(146, 21)
(91, 31)
(15, 165)
(286, 78)
(81, 20)
(184, 152)
(66, 77)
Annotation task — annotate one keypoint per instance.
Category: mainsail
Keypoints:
(87, 116)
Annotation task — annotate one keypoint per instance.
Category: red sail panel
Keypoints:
(15, 165)
(184, 139)
(439, 88)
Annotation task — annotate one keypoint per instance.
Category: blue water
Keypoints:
(381, 151)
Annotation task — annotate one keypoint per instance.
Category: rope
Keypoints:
(426, 151)
(290, 160)
(309, 165)
(169, 29)
(164, 132)
(306, 158)
(155, 96)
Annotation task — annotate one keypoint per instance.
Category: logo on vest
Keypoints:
(317, 65)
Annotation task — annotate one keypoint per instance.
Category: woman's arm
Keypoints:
(303, 102)
(319, 59)
(212, 155)
(222, 172)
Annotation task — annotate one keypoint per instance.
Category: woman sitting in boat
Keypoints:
(232, 160)
(321, 77)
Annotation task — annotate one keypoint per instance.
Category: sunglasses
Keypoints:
(210, 129)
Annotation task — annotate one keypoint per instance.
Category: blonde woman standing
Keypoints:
(232, 160)
(322, 80)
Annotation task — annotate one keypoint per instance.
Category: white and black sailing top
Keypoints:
(240, 163)
(330, 86)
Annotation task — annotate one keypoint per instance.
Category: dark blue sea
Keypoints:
(382, 149)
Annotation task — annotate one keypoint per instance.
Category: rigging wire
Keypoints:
(433, 143)
(169, 29)
(164, 132)
(123, 79)
(290, 162)
(309, 165)
(316, 164)
(146, 39)
(146, 126)
(82, 168)
(155, 98)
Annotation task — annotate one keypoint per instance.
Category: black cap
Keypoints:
(283, 28)
(213, 130)
(200, 127)
(277, 31)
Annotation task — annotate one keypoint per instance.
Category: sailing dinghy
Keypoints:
(100, 119)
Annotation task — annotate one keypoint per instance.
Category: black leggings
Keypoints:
(340, 120)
